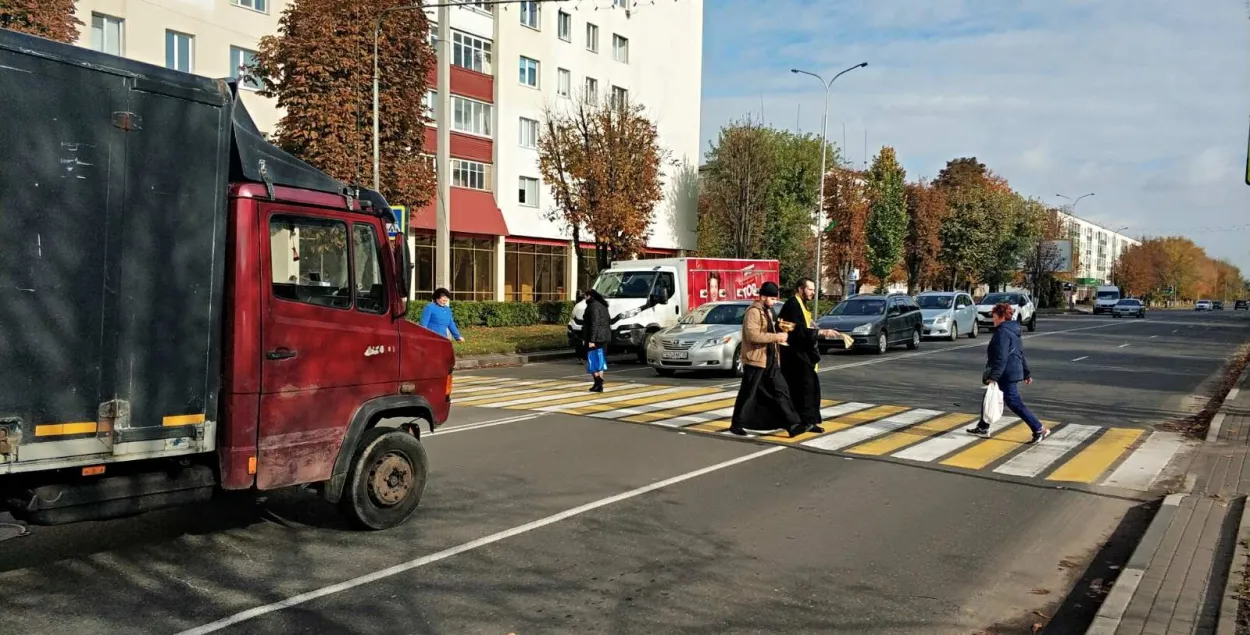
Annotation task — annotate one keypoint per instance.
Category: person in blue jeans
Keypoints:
(1007, 367)
(438, 318)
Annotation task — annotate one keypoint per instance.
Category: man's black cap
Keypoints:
(770, 290)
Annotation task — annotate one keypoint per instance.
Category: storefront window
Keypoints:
(472, 269)
(423, 266)
(534, 273)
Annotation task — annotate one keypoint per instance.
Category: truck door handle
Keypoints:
(280, 353)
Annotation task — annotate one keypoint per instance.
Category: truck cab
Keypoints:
(643, 297)
(1105, 299)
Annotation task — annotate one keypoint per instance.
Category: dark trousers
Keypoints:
(1011, 399)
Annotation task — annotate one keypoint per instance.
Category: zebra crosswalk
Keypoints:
(1075, 453)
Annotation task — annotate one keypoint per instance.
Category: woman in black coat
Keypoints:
(596, 335)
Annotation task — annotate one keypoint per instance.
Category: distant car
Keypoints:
(707, 338)
(1217, 306)
(1241, 305)
(1025, 311)
(876, 322)
(1129, 307)
(947, 314)
(1202, 305)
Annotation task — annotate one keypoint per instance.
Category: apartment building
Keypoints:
(1096, 249)
(509, 63)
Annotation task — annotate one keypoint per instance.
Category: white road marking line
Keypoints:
(1123, 345)
(949, 442)
(533, 400)
(1232, 394)
(614, 399)
(1213, 432)
(1081, 358)
(859, 434)
(309, 596)
(476, 426)
(1175, 330)
(1153, 336)
(1038, 457)
(664, 405)
(1139, 471)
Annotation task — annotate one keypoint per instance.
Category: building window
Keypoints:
(479, 5)
(107, 34)
(624, 4)
(527, 193)
(470, 52)
(179, 51)
(241, 61)
(564, 82)
(529, 133)
(531, 14)
(534, 273)
(620, 48)
(255, 5)
(430, 103)
(529, 72)
(308, 261)
(473, 175)
(620, 97)
(588, 269)
(564, 26)
(592, 38)
(470, 116)
(592, 90)
(472, 269)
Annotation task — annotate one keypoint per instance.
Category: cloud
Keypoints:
(1145, 102)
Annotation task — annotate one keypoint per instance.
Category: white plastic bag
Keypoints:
(992, 405)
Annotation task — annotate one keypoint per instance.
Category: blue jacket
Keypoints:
(440, 320)
(1006, 354)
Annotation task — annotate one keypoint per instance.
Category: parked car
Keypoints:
(707, 338)
(1202, 305)
(1025, 310)
(1241, 305)
(1129, 307)
(876, 322)
(947, 314)
(1217, 306)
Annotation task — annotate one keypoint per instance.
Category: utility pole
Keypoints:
(442, 158)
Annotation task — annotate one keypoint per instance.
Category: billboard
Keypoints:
(1061, 252)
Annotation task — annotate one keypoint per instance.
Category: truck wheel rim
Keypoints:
(391, 479)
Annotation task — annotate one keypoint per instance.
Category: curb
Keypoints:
(498, 361)
(1112, 610)
(1227, 624)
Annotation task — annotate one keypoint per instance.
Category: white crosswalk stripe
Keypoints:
(667, 405)
(948, 442)
(566, 388)
(859, 434)
(1141, 468)
(1036, 458)
(599, 400)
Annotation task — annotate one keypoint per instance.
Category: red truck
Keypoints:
(185, 308)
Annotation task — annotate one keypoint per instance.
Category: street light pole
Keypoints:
(820, 199)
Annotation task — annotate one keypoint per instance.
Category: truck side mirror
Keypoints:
(660, 295)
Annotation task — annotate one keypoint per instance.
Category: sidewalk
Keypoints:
(1178, 580)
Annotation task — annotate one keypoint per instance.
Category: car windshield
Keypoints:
(1127, 302)
(716, 314)
(1002, 298)
(624, 284)
(1108, 295)
(935, 301)
(860, 306)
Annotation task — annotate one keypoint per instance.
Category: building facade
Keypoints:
(1096, 250)
(509, 64)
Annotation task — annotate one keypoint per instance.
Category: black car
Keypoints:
(1217, 306)
(876, 322)
(1241, 305)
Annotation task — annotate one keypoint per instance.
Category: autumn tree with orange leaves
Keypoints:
(846, 211)
(320, 69)
(1150, 269)
(602, 161)
(52, 19)
(926, 211)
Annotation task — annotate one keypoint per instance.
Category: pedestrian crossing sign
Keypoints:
(400, 226)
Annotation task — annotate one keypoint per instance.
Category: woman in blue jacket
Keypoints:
(1007, 367)
(438, 318)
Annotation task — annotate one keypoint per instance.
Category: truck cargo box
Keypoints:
(114, 177)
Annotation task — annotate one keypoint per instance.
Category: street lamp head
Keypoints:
(863, 64)
(794, 70)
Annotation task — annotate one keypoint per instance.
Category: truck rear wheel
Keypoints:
(386, 479)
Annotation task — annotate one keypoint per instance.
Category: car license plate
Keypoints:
(674, 355)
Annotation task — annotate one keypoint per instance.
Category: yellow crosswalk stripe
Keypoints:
(990, 450)
(710, 426)
(581, 397)
(642, 401)
(915, 434)
(659, 415)
(1091, 462)
(840, 423)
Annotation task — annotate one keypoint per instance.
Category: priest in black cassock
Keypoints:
(801, 358)
(763, 401)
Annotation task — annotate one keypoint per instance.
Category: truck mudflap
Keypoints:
(28, 446)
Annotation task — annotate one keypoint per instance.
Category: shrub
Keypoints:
(482, 313)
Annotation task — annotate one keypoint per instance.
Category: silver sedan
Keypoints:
(707, 338)
(948, 314)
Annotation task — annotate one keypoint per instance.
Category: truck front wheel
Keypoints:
(386, 479)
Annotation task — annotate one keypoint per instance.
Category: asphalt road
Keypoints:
(548, 522)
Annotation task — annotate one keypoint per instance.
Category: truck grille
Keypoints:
(677, 345)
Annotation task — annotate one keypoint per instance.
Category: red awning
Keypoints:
(472, 212)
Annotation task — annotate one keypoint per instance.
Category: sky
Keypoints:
(1145, 103)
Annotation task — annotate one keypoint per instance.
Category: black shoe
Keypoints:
(738, 431)
(597, 388)
(797, 430)
(979, 431)
(815, 429)
(1039, 436)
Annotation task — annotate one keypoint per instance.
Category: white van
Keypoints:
(1105, 299)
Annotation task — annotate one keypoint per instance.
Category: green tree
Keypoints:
(52, 19)
(887, 214)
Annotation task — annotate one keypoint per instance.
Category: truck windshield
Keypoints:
(935, 301)
(870, 306)
(717, 314)
(625, 284)
(1108, 295)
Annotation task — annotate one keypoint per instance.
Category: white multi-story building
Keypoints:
(509, 64)
(1096, 250)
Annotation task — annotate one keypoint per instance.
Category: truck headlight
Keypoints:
(862, 329)
(625, 315)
